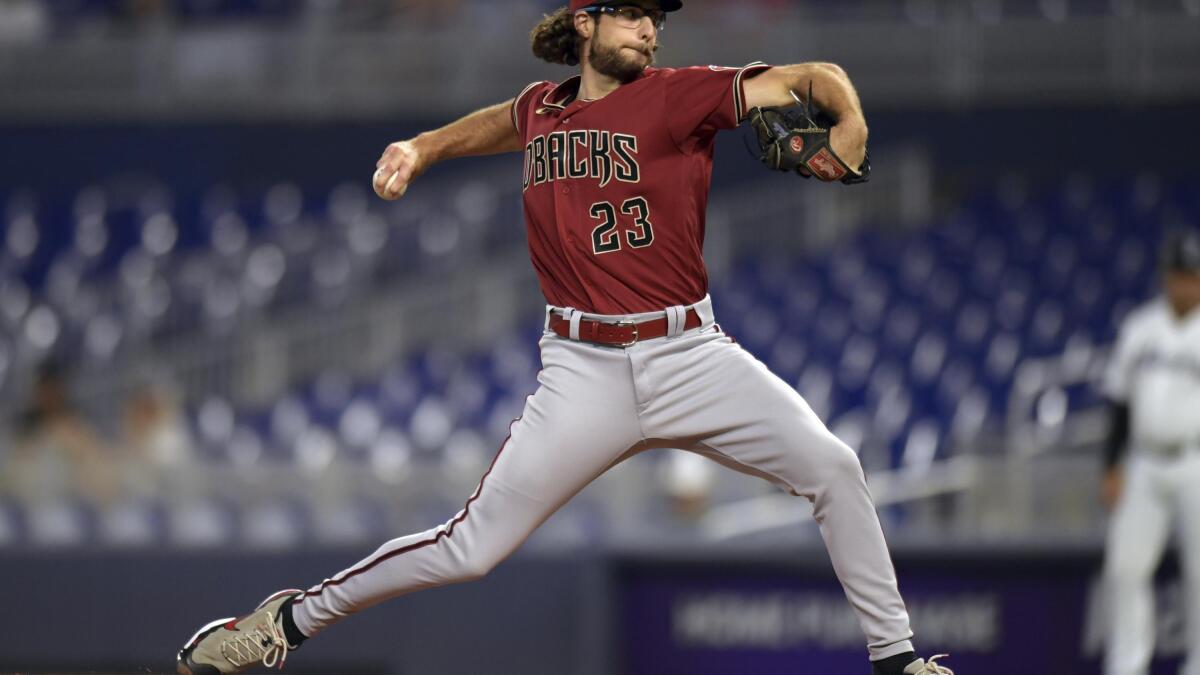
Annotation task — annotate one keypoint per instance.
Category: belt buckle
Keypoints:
(634, 326)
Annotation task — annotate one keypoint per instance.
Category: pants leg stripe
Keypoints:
(447, 532)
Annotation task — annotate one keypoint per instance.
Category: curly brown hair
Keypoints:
(555, 39)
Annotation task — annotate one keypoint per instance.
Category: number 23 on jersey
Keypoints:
(606, 237)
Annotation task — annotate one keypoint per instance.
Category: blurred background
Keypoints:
(227, 368)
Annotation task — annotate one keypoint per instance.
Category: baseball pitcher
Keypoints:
(617, 167)
(1154, 385)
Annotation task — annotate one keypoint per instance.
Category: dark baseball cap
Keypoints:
(666, 5)
(1181, 252)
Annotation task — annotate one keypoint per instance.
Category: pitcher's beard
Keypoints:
(609, 61)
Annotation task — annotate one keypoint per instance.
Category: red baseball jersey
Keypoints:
(615, 189)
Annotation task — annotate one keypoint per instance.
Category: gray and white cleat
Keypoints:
(235, 645)
(920, 667)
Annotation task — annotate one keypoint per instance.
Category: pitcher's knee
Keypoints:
(474, 570)
(835, 476)
(478, 563)
(839, 465)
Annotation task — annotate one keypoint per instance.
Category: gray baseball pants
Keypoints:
(594, 407)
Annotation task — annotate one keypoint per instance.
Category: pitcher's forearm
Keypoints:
(849, 135)
(839, 96)
(484, 132)
(488, 131)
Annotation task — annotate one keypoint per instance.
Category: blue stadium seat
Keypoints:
(201, 523)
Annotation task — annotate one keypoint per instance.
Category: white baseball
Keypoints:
(403, 188)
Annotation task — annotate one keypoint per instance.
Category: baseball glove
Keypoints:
(797, 139)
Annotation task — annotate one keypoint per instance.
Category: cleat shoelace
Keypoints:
(932, 668)
(265, 643)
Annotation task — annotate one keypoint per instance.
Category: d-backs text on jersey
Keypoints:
(581, 153)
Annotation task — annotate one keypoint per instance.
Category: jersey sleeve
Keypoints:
(702, 100)
(523, 103)
(1118, 378)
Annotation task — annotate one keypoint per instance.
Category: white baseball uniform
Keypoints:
(1155, 370)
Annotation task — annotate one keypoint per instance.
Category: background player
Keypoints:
(616, 176)
(1154, 383)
